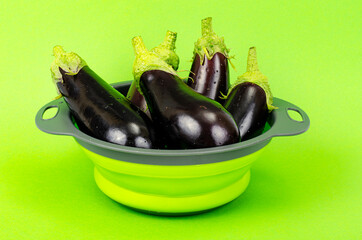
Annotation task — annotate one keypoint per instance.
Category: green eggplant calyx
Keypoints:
(145, 61)
(70, 62)
(166, 50)
(254, 75)
(209, 43)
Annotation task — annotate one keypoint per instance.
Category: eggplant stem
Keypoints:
(71, 63)
(254, 75)
(210, 41)
(206, 26)
(170, 40)
(147, 60)
(166, 50)
(252, 62)
(138, 45)
(58, 51)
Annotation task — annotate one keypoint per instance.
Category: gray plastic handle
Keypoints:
(284, 125)
(60, 124)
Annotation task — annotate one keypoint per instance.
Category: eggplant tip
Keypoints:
(58, 50)
(70, 63)
(206, 26)
(207, 20)
(138, 45)
(252, 62)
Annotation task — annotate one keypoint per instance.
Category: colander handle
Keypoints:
(60, 123)
(284, 125)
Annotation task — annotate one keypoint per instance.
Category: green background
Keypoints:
(302, 187)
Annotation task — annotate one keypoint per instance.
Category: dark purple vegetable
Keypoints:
(250, 99)
(166, 51)
(210, 77)
(137, 99)
(98, 107)
(188, 119)
(247, 103)
(209, 73)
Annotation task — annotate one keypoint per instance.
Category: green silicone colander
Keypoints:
(172, 182)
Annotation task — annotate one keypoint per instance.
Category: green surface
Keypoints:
(303, 187)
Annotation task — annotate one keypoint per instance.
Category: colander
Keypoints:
(172, 182)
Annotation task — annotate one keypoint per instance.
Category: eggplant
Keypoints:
(96, 106)
(166, 51)
(250, 100)
(209, 73)
(188, 119)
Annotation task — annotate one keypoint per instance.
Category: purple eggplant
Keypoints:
(166, 51)
(250, 100)
(209, 73)
(96, 106)
(187, 118)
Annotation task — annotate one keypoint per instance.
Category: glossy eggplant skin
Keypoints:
(137, 99)
(247, 104)
(188, 119)
(210, 77)
(103, 111)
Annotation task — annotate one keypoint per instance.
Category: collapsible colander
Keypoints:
(172, 182)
